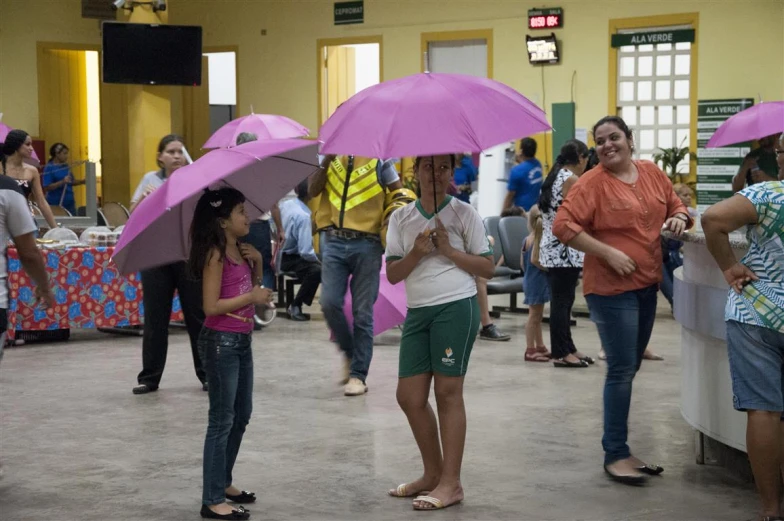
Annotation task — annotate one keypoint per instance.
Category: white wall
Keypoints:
(223, 78)
(366, 65)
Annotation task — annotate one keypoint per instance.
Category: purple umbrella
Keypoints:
(430, 114)
(265, 126)
(390, 308)
(4, 130)
(755, 122)
(264, 171)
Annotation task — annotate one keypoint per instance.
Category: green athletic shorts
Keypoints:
(438, 339)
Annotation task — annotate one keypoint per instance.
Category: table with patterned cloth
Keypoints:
(89, 292)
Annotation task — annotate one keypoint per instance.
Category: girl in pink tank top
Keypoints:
(231, 277)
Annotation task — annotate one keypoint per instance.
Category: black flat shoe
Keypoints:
(144, 389)
(238, 513)
(588, 360)
(626, 479)
(650, 469)
(560, 362)
(243, 497)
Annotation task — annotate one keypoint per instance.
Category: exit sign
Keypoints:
(550, 18)
(349, 12)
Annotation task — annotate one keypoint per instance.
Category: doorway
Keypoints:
(346, 66)
(69, 106)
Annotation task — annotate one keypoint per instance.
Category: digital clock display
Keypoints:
(551, 18)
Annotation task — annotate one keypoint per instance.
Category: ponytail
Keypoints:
(536, 219)
(571, 153)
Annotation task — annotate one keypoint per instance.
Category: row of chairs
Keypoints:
(110, 214)
(508, 233)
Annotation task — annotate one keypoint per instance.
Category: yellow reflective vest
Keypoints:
(354, 201)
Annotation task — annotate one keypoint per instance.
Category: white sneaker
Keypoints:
(355, 387)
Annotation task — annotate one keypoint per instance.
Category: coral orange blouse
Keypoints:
(628, 217)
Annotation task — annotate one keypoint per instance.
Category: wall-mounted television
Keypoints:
(151, 54)
(542, 49)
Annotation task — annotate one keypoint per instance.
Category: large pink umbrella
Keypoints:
(390, 308)
(4, 130)
(430, 114)
(755, 122)
(264, 171)
(265, 126)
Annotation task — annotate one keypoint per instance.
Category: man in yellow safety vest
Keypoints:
(349, 220)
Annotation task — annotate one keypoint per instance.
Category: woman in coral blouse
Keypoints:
(615, 214)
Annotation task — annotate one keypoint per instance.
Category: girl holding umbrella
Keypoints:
(437, 245)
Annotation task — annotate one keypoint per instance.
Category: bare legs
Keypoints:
(533, 328)
(764, 444)
(441, 472)
(481, 297)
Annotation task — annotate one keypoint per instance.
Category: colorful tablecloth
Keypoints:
(88, 291)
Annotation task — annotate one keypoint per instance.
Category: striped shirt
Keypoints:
(762, 302)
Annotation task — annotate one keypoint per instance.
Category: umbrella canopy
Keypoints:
(4, 130)
(264, 171)
(265, 126)
(755, 122)
(390, 308)
(430, 114)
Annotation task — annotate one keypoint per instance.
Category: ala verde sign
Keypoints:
(652, 37)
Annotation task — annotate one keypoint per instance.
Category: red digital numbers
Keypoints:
(536, 22)
(544, 22)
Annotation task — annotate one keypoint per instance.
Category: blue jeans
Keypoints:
(673, 262)
(260, 237)
(360, 261)
(229, 364)
(625, 322)
(756, 357)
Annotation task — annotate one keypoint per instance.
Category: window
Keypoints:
(653, 95)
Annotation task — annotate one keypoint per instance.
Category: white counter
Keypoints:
(706, 390)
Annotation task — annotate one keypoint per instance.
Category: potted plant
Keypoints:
(670, 158)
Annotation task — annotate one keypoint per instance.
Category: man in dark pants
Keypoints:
(159, 285)
(298, 254)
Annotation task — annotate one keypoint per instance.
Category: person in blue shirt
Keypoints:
(525, 179)
(465, 174)
(58, 178)
(297, 252)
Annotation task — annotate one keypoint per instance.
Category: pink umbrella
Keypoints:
(755, 122)
(430, 114)
(265, 126)
(4, 130)
(264, 171)
(390, 308)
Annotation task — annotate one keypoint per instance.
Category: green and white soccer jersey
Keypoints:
(436, 279)
(762, 302)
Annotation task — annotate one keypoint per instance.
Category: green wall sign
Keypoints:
(717, 166)
(349, 12)
(653, 37)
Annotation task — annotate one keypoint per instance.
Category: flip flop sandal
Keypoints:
(400, 491)
(242, 497)
(434, 501)
(650, 469)
(535, 356)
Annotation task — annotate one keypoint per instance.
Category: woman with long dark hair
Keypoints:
(615, 214)
(59, 180)
(160, 283)
(563, 263)
(17, 147)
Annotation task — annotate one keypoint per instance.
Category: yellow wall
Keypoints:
(278, 71)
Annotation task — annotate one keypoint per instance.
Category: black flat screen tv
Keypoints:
(151, 54)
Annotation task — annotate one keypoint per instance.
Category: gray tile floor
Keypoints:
(77, 445)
